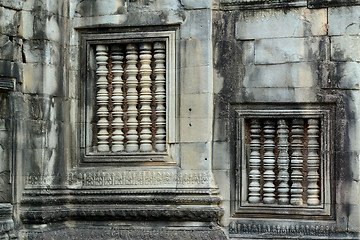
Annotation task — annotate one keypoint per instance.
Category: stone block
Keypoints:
(218, 82)
(88, 8)
(275, 23)
(221, 156)
(38, 107)
(345, 48)
(221, 132)
(31, 134)
(195, 130)
(288, 95)
(26, 28)
(53, 7)
(222, 179)
(53, 29)
(9, 21)
(195, 156)
(11, 69)
(54, 134)
(352, 99)
(294, 75)
(248, 56)
(74, 89)
(42, 51)
(285, 50)
(13, 4)
(195, 80)
(344, 20)
(354, 210)
(194, 52)
(47, 26)
(33, 77)
(42, 79)
(353, 133)
(200, 4)
(197, 25)
(346, 75)
(194, 106)
(10, 48)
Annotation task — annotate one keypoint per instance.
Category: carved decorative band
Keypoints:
(128, 178)
(114, 212)
(137, 178)
(288, 230)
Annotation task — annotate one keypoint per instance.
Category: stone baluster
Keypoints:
(160, 96)
(297, 162)
(117, 97)
(254, 162)
(102, 98)
(269, 162)
(283, 161)
(132, 98)
(145, 97)
(313, 162)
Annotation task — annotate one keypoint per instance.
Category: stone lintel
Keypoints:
(259, 4)
(332, 3)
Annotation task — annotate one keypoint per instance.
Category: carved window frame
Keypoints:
(240, 206)
(88, 41)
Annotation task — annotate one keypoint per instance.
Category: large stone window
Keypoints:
(283, 162)
(127, 96)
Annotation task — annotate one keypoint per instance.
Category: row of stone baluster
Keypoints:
(126, 128)
(290, 164)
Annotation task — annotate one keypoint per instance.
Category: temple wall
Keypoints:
(233, 68)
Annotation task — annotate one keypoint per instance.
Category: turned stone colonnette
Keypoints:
(132, 103)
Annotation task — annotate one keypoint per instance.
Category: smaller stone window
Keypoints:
(128, 108)
(284, 162)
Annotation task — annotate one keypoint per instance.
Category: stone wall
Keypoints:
(287, 58)
(296, 59)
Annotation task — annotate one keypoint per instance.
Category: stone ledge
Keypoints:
(95, 232)
(54, 205)
(53, 197)
(50, 214)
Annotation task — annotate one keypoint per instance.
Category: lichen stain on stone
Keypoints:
(228, 51)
